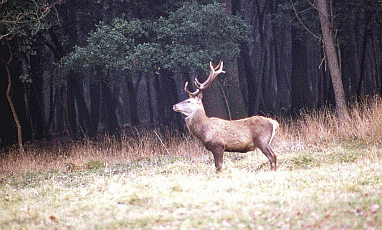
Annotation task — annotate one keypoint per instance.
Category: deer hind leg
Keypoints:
(274, 157)
(268, 152)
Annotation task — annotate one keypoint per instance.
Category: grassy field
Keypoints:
(329, 177)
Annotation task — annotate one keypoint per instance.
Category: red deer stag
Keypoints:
(219, 135)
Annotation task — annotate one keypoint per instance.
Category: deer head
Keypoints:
(194, 103)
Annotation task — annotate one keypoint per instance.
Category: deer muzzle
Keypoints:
(174, 107)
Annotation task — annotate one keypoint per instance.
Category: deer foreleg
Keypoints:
(218, 152)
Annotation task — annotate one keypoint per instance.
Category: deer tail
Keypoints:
(275, 125)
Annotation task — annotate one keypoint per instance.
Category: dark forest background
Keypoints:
(79, 68)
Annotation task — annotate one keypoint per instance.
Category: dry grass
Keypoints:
(329, 177)
(323, 127)
(148, 146)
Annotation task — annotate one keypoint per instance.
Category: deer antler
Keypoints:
(202, 86)
(188, 92)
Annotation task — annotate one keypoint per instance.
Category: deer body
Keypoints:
(219, 135)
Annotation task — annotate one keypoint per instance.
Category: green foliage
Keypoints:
(108, 47)
(196, 34)
(21, 21)
(20, 18)
(190, 37)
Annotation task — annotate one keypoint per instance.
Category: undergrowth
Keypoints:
(323, 128)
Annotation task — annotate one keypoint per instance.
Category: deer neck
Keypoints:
(197, 122)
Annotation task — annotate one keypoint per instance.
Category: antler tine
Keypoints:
(198, 84)
(188, 92)
(218, 66)
(213, 73)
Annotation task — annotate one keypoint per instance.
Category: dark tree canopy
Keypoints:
(190, 37)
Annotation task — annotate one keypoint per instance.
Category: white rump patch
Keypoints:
(275, 126)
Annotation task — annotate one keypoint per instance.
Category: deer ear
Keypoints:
(200, 96)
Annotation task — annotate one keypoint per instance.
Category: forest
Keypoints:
(89, 136)
(82, 68)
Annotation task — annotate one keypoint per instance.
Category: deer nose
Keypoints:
(174, 108)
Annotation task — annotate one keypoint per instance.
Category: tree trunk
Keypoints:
(52, 106)
(95, 94)
(71, 108)
(247, 74)
(300, 90)
(9, 98)
(233, 95)
(133, 102)
(354, 54)
(36, 102)
(213, 101)
(362, 76)
(332, 58)
(380, 69)
(160, 103)
(165, 88)
(83, 112)
(61, 116)
(110, 103)
(149, 99)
